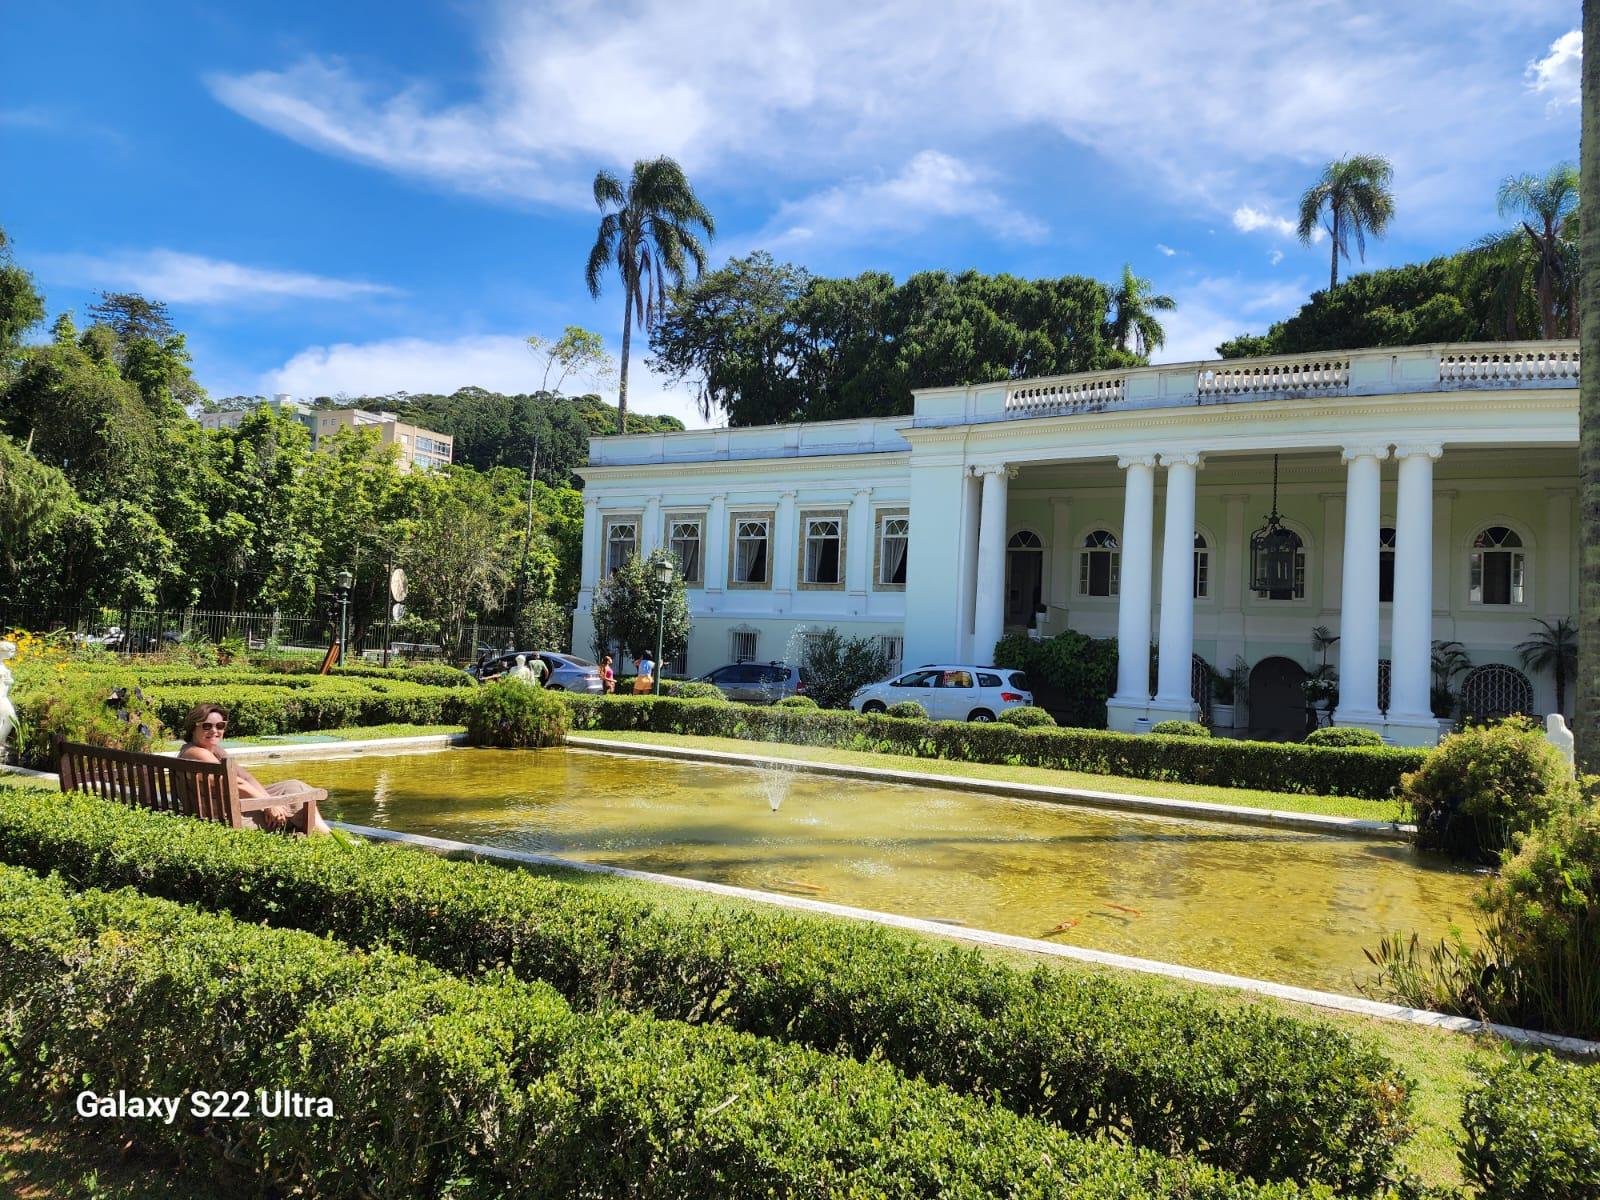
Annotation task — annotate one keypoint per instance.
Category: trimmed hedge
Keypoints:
(516, 714)
(1258, 1092)
(1366, 773)
(907, 710)
(1180, 729)
(255, 709)
(443, 1087)
(1027, 718)
(1344, 735)
(1532, 1129)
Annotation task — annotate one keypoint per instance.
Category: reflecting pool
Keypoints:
(1273, 904)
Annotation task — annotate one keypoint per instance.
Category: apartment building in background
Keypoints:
(420, 448)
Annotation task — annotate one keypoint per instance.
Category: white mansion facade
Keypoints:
(1428, 493)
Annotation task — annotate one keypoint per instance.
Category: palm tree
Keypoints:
(1552, 202)
(1355, 191)
(1586, 726)
(648, 232)
(1553, 647)
(1131, 306)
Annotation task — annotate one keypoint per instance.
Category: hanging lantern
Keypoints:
(1274, 548)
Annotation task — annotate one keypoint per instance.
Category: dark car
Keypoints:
(758, 683)
(563, 672)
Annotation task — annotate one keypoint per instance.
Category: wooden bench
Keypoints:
(209, 791)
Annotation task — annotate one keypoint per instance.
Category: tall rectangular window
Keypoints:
(622, 543)
(894, 539)
(684, 542)
(750, 558)
(893, 647)
(822, 550)
(744, 645)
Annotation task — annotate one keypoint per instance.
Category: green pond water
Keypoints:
(1281, 905)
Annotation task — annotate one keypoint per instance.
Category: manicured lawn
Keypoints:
(1336, 806)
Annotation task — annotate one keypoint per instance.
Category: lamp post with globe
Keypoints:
(664, 573)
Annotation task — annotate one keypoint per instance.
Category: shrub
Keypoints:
(907, 710)
(1180, 729)
(1268, 1095)
(1530, 1126)
(1071, 673)
(1026, 718)
(88, 711)
(1372, 773)
(1482, 786)
(797, 702)
(837, 668)
(544, 625)
(517, 714)
(1344, 735)
(692, 690)
(495, 1088)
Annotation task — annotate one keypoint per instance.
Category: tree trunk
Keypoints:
(1547, 294)
(622, 380)
(1586, 724)
(1333, 231)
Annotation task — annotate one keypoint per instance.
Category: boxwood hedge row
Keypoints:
(1532, 1130)
(440, 1087)
(1243, 1087)
(331, 703)
(1365, 772)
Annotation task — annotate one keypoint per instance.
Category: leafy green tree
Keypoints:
(1551, 200)
(1355, 192)
(460, 549)
(648, 233)
(628, 605)
(34, 501)
(21, 306)
(133, 317)
(578, 352)
(837, 667)
(1133, 308)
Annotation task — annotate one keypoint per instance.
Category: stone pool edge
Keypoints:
(1334, 1001)
(1196, 809)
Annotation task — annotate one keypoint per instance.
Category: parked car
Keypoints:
(949, 692)
(758, 683)
(563, 672)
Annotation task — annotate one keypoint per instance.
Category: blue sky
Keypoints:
(360, 197)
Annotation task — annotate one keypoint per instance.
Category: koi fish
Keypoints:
(1122, 908)
(947, 921)
(805, 887)
(1061, 928)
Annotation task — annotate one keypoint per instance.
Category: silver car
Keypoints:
(949, 692)
(563, 672)
(757, 683)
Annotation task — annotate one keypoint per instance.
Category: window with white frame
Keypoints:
(1386, 565)
(622, 543)
(744, 645)
(894, 540)
(893, 648)
(823, 539)
(683, 539)
(751, 561)
(1298, 591)
(1499, 567)
(1100, 565)
(1202, 568)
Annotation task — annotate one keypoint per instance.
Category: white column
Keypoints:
(988, 619)
(1133, 607)
(783, 551)
(1358, 604)
(716, 553)
(1173, 696)
(650, 535)
(1062, 553)
(858, 550)
(589, 570)
(971, 500)
(1411, 634)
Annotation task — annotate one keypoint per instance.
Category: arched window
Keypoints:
(1495, 690)
(1202, 568)
(1100, 565)
(1386, 565)
(1298, 592)
(1499, 567)
(1024, 539)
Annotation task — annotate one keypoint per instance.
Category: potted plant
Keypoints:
(1449, 660)
(1222, 694)
(1239, 677)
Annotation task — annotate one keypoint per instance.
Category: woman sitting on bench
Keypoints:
(202, 742)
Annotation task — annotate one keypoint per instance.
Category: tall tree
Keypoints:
(1355, 192)
(648, 233)
(1551, 200)
(1132, 314)
(1586, 726)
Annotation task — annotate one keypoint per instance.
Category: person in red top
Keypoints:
(607, 675)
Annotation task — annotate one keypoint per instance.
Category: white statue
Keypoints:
(8, 711)
(1555, 728)
(520, 670)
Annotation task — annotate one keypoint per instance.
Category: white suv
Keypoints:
(949, 692)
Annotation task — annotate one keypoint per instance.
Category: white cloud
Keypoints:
(1558, 74)
(192, 279)
(932, 186)
(1275, 257)
(498, 362)
(1213, 309)
(1248, 220)
(1165, 249)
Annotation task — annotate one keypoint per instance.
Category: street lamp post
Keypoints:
(664, 572)
(344, 579)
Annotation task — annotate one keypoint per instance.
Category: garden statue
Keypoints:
(1555, 728)
(520, 670)
(8, 711)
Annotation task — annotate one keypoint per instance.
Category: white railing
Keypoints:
(1079, 393)
(1534, 363)
(1295, 377)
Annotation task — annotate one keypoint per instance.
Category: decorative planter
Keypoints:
(1222, 716)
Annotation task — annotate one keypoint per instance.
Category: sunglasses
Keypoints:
(219, 726)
